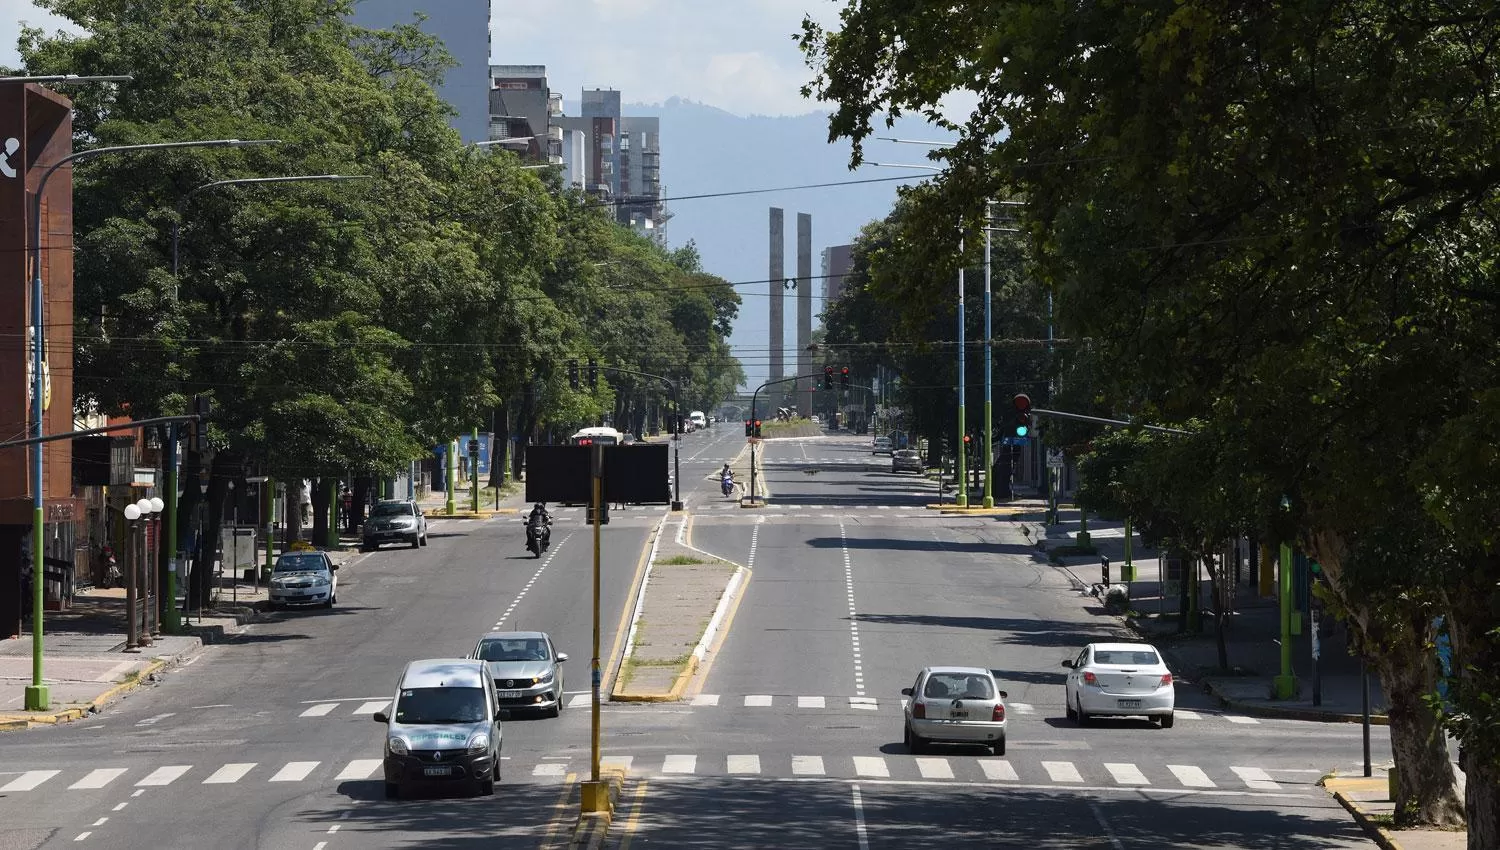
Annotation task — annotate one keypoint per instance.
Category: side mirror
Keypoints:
(1068, 663)
(334, 567)
(382, 717)
(561, 657)
(906, 692)
(1004, 695)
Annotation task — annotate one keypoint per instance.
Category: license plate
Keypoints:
(437, 771)
(1130, 703)
(959, 715)
(508, 694)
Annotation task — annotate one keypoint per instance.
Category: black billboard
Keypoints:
(634, 474)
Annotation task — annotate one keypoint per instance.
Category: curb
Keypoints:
(95, 705)
(592, 828)
(1377, 833)
(637, 607)
(441, 513)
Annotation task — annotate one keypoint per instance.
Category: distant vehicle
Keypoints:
(525, 667)
(881, 446)
(442, 727)
(698, 419)
(394, 521)
(600, 436)
(304, 578)
(955, 705)
(1119, 679)
(906, 460)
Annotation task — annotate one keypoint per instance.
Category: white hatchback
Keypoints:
(1119, 679)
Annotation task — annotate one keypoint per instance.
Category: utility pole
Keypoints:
(989, 362)
(1285, 685)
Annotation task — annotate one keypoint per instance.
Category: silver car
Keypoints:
(955, 705)
(907, 460)
(526, 668)
(442, 727)
(304, 578)
(394, 521)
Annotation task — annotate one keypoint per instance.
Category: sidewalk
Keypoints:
(435, 503)
(1368, 800)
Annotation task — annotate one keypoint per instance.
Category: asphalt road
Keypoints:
(793, 738)
(267, 741)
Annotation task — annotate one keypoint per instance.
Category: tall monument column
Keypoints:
(804, 306)
(776, 280)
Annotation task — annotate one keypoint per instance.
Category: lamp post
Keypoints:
(37, 696)
(137, 627)
(154, 536)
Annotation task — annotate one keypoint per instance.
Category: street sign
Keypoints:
(1012, 441)
(1054, 458)
(255, 479)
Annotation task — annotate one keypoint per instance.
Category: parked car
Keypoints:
(304, 578)
(442, 727)
(395, 521)
(881, 446)
(1119, 679)
(906, 460)
(955, 705)
(526, 669)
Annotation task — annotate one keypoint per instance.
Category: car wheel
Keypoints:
(392, 791)
(1072, 715)
(998, 747)
(415, 541)
(423, 540)
(1083, 716)
(555, 710)
(914, 742)
(1166, 721)
(487, 787)
(329, 603)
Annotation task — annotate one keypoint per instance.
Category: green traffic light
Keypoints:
(1022, 430)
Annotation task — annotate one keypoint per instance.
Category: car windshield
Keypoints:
(513, 649)
(300, 563)
(440, 705)
(1132, 657)
(958, 686)
(396, 509)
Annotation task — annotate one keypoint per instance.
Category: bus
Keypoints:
(599, 436)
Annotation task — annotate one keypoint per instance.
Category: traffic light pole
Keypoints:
(754, 400)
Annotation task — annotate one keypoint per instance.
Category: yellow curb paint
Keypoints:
(126, 687)
(559, 812)
(1379, 834)
(637, 801)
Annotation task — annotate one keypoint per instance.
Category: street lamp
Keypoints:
(37, 697)
(137, 628)
(69, 78)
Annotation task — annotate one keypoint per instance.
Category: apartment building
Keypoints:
(523, 108)
(617, 159)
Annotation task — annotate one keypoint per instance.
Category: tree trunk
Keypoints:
(322, 496)
(1426, 790)
(201, 580)
(187, 505)
(293, 512)
(1481, 800)
(1216, 593)
(362, 485)
(1473, 604)
(499, 452)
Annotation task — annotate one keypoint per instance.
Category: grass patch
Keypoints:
(664, 662)
(680, 561)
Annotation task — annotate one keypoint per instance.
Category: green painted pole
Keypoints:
(271, 501)
(962, 500)
(1128, 570)
(474, 473)
(989, 417)
(452, 476)
(1083, 527)
(331, 539)
(171, 618)
(1285, 685)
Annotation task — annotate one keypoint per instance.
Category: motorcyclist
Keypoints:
(540, 520)
(726, 477)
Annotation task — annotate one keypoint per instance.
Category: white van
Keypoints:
(600, 436)
(442, 727)
(699, 420)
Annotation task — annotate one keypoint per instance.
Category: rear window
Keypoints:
(958, 686)
(1127, 657)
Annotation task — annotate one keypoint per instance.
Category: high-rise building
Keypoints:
(464, 28)
(524, 109)
(617, 159)
(837, 262)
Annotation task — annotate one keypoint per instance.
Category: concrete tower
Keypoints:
(804, 305)
(776, 281)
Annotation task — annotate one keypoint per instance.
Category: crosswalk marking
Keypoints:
(1256, 778)
(757, 701)
(29, 780)
(934, 768)
(553, 768)
(871, 766)
(580, 700)
(1192, 777)
(807, 766)
(622, 762)
(1061, 771)
(706, 699)
(371, 707)
(1021, 707)
(743, 764)
(294, 771)
(359, 769)
(998, 770)
(1240, 718)
(164, 775)
(1126, 774)
(810, 702)
(229, 773)
(867, 703)
(1185, 714)
(679, 764)
(97, 778)
(319, 710)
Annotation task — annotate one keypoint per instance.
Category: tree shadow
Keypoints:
(905, 545)
(1017, 631)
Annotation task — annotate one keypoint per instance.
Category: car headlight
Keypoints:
(542, 679)
(320, 582)
(403, 523)
(397, 746)
(479, 743)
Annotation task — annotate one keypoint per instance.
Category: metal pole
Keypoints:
(452, 476)
(962, 478)
(168, 603)
(598, 469)
(1285, 684)
(753, 397)
(1317, 671)
(989, 418)
(1364, 685)
(676, 452)
(474, 470)
(132, 636)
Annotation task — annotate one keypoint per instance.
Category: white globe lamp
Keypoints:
(132, 512)
(157, 504)
(144, 506)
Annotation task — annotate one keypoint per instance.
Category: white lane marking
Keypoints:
(744, 764)
(556, 769)
(807, 766)
(164, 775)
(98, 778)
(84, 834)
(932, 768)
(546, 562)
(580, 700)
(230, 773)
(866, 703)
(100, 822)
(859, 673)
(1256, 778)
(871, 766)
(340, 699)
(1109, 833)
(622, 762)
(1239, 718)
(1061, 771)
(372, 706)
(859, 820)
(320, 845)
(152, 721)
(359, 769)
(119, 806)
(998, 770)
(334, 828)
(706, 699)
(757, 701)
(319, 710)
(294, 771)
(1021, 707)
(1185, 714)
(1126, 774)
(679, 764)
(137, 792)
(29, 780)
(810, 702)
(1192, 777)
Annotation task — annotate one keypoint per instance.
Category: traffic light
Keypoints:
(573, 374)
(593, 374)
(749, 428)
(844, 378)
(757, 427)
(1021, 418)
(198, 428)
(827, 377)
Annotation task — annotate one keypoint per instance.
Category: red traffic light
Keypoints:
(966, 438)
(846, 370)
(1022, 402)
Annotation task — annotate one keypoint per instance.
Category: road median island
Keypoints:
(685, 597)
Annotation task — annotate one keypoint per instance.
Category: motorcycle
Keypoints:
(726, 484)
(538, 536)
